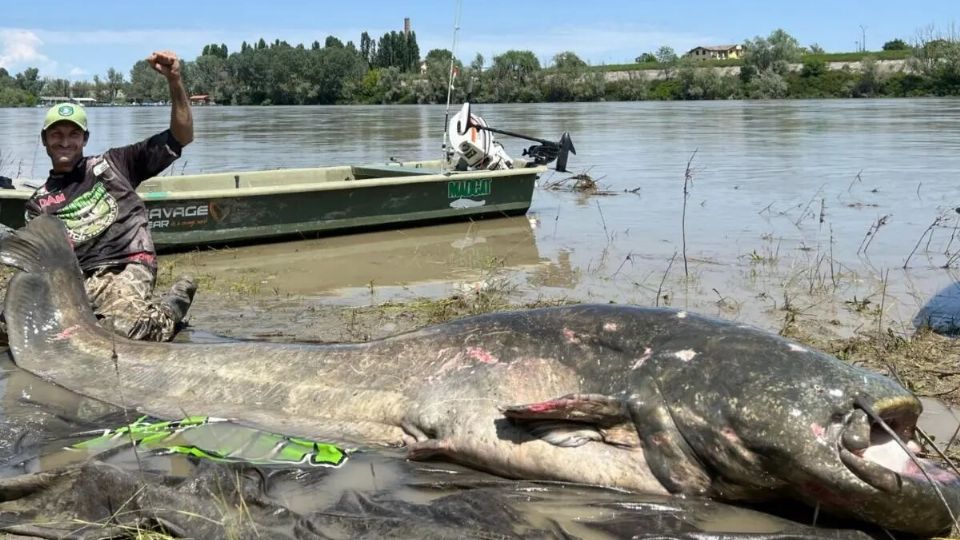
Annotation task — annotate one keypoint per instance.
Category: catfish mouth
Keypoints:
(878, 446)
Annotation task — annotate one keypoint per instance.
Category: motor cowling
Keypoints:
(476, 146)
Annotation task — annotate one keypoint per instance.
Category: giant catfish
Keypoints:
(651, 400)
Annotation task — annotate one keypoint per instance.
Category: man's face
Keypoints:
(64, 144)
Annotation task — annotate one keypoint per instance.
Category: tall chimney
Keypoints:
(406, 26)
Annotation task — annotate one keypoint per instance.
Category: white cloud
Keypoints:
(78, 73)
(20, 47)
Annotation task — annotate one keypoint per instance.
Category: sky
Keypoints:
(80, 38)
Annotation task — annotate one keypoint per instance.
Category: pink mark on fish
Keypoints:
(818, 431)
(481, 354)
(729, 434)
(67, 333)
(647, 353)
(570, 336)
(610, 327)
(545, 406)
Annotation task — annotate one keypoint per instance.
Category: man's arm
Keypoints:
(181, 119)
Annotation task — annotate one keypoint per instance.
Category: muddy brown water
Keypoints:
(838, 213)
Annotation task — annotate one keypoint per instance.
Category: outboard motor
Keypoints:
(473, 145)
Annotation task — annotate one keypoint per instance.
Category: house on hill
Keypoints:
(716, 52)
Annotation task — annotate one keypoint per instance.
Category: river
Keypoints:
(775, 185)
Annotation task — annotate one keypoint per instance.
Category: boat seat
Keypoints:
(365, 172)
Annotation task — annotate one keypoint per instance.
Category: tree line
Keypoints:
(391, 70)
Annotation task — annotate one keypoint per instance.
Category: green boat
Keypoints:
(477, 179)
(238, 207)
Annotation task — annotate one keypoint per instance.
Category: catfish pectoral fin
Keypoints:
(593, 408)
(564, 434)
(430, 449)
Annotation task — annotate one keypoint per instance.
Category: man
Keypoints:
(106, 219)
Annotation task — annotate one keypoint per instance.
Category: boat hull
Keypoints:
(245, 207)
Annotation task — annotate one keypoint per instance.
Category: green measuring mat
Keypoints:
(215, 439)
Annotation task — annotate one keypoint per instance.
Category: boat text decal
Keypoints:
(458, 189)
(180, 216)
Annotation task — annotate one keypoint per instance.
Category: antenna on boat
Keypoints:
(453, 59)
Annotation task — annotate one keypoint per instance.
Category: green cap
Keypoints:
(69, 112)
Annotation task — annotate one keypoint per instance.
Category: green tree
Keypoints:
(210, 75)
(333, 42)
(938, 61)
(146, 85)
(115, 83)
(80, 89)
(390, 86)
(665, 55)
(646, 58)
(432, 86)
(412, 52)
(896, 45)
(398, 50)
(477, 63)
(368, 49)
(871, 81)
(567, 60)
(100, 92)
(767, 85)
(813, 67)
(513, 77)
(571, 80)
(698, 83)
(56, 87)
(29, 81)
(774, 53)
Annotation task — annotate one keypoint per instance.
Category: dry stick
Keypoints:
(629, 257)
(929, 231)
(951, 260)
(809, 204)
(956, 228)
(942, 453)
(833, 277)
(953, 439)
(883, 297)
(687, 180)
(855, 180)
(664, 278)
(872, 233)
(926, 248)
(604, 222)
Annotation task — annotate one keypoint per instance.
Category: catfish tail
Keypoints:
(40, 246)
(46, 304)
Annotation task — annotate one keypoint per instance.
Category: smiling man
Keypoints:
(107, 222)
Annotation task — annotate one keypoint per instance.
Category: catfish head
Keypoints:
(765, 416)
(726, 411)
